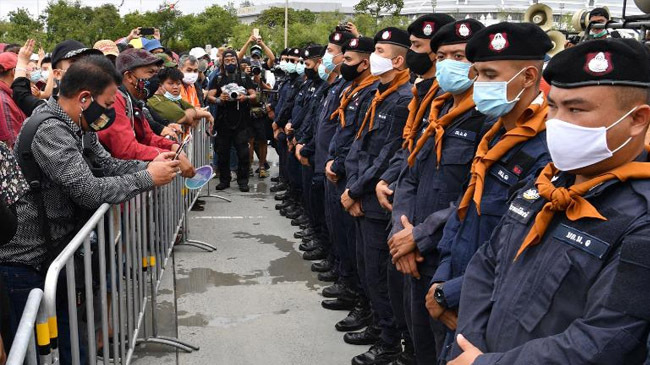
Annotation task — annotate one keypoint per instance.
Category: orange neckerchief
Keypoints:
(188, 93)
(416, 112)
(530, 123)
(401, 78)
(570, 200)
(437, 125)
(349, 92)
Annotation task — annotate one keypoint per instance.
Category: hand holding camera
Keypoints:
(233, 92)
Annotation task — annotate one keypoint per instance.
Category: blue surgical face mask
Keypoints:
(290, 67)
(171, 96)
(491, 98)
(452, 76)
(283, 66)
(300, 69)
(328, 61)
(322, 73)
(35, 76)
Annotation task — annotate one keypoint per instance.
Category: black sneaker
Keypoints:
(244, 188)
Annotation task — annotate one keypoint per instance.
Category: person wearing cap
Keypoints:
(508, 58)
(438, 160)
(167, 61)
(562, 279)
(258, 47)
(11, 117)
(355, 98)
(70, 191)
(108, 48)
(378, 139)
(421, 61)
(152, 45)
(600, 16)
(63, 56)
(282, 111)
(317, 149)
(232, 121)
(303, 125)
(130, 137)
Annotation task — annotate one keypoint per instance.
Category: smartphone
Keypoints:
(256, 32)
(146, 31)
(186, 140)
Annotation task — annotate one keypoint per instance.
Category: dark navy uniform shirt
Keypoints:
(369, 155)
(428, 188)
(460, 239)
(580, 296)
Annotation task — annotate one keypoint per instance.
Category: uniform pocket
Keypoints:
(540, 301)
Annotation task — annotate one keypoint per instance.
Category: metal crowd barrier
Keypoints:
(113, 266)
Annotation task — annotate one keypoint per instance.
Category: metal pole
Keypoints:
(286, 23)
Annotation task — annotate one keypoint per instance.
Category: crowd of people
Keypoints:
(471, 199)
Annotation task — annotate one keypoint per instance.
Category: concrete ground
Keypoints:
(254, 300)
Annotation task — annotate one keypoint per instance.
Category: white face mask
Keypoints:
(190, 78)
(379, 65)
(573, 147)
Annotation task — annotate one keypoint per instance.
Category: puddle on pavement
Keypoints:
(197, 280)
(195, 320)
(290, 268)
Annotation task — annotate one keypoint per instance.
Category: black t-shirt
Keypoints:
(232, 114)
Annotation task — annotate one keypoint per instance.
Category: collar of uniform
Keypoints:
(599, 189)
(56, 109)
(423, 87)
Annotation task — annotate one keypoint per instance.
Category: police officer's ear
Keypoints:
(640, 120)
(531, 75)
(399, 59)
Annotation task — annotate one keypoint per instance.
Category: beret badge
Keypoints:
(428, 28)
(499, 42)
(598, 63)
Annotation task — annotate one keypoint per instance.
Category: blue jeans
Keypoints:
(19, 281)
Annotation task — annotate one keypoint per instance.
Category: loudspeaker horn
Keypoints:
(558, 39)
(580, 19)
(541, 15)
(643, 5)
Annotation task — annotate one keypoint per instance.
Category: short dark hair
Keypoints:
(12, 47)
(170, 73)
(93, 73)
(46, 59)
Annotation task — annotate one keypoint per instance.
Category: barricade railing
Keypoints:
(112, 269)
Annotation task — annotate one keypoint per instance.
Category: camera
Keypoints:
(574, 39)
(256, 70)
(342, 27)
(233, 90)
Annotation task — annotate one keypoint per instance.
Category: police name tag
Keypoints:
(464, 134)
(504, 175)
(581, 240)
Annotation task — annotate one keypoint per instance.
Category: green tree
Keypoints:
(377, 7)
(20, 26)
(274, 17)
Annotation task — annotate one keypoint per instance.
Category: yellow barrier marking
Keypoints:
(42, 334)
(54, 330)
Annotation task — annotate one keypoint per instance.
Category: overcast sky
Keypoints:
(186, 6)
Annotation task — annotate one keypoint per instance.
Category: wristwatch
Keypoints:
(439, 296)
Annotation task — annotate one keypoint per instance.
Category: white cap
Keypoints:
(198, 52)
(34, 57)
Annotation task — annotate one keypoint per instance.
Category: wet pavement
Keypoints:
(254, 300)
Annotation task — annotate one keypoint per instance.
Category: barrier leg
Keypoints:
(194, 243)
(211, 195)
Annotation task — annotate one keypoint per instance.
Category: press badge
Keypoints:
(581, 240)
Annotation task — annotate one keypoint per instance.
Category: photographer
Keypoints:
(234, 92)
(260, 121)
(258, 46)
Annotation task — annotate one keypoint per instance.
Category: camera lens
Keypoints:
(256, 70)
(233, 95)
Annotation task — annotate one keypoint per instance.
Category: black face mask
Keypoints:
(420, 63)
(98, 117)
(151, 86)
(350, 72)
(231, 68)
(311, 73)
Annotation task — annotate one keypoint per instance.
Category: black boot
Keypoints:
(368, 336)
(300, 220)
(285, 204)
(336, 290)
(343, 303)
(407, 357)
(323, 266)
(222, 186)
(379, 353)
(304, 233)
(309, 246)
(317, 254)
(282, 196)
(278, 187)
(294, 213)
(328, 276)
(358, 318)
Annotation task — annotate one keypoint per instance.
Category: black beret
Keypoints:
(312, 51)
(294, 52)
(285, 52)
(613, 61)
(457, 32)
(508, 41)
(394, 36)
(429, 24)
(599, 12)
(360, 45)
(340, 38)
